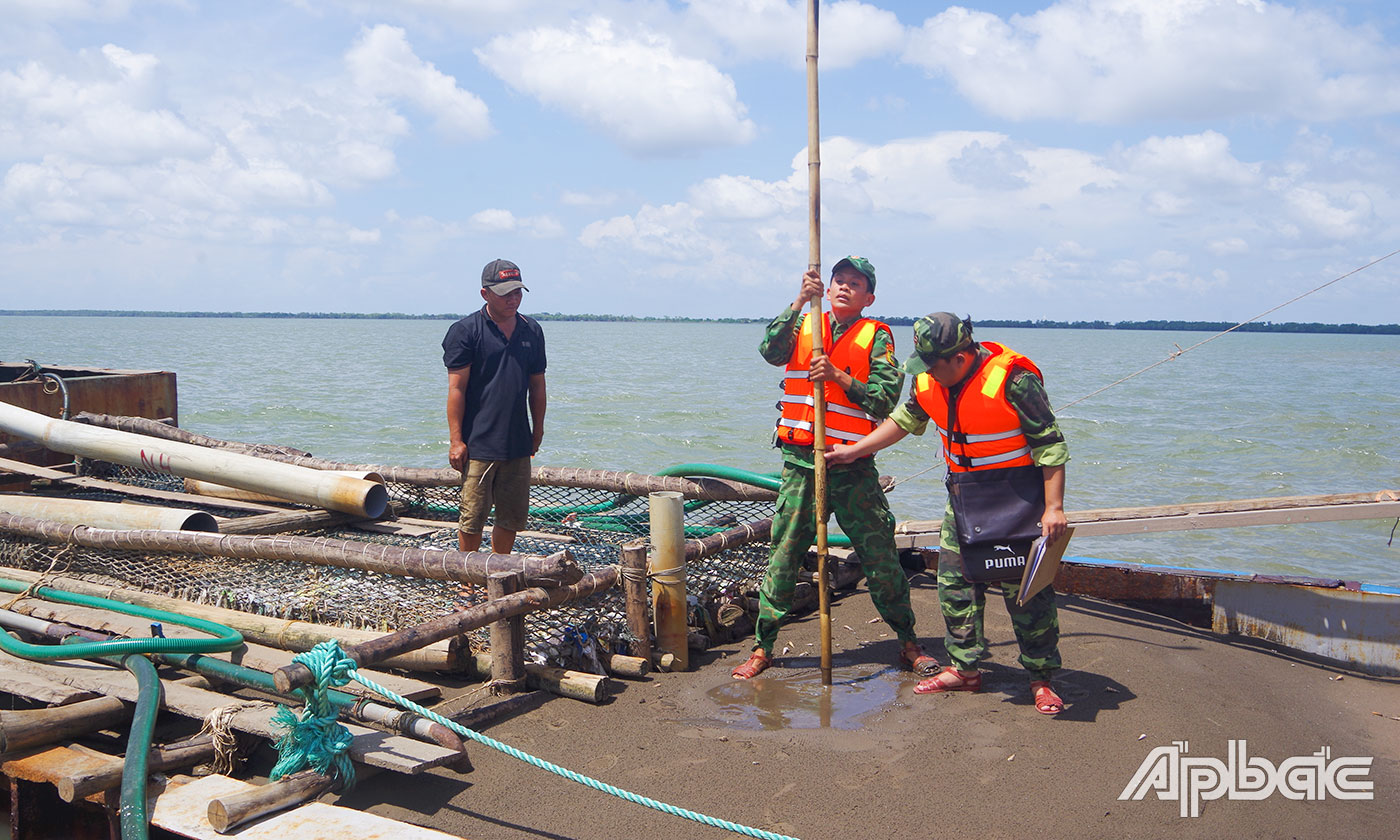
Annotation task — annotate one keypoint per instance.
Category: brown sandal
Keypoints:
(1047, 702)
(950, 679)
(756, 664)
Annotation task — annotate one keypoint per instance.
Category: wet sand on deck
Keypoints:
(878, 761)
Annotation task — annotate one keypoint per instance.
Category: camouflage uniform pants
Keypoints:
(1037, 624)
(854, 494)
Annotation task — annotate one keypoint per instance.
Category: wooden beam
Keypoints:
(1283, 510)
(250, 655)
(274, 632)
(287, 520)
(369, 746)
(83, 779)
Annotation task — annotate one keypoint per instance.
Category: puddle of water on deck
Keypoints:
(790, 695)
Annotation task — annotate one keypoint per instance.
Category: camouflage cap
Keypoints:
(860, 264)
(938, 336)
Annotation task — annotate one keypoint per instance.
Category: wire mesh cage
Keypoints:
(591, 524)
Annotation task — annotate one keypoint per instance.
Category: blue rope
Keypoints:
(329, 660)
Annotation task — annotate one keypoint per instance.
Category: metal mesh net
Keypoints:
(591, 524)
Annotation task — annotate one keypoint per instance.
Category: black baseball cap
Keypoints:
(502, 277)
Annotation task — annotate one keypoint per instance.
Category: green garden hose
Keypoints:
(129, 654)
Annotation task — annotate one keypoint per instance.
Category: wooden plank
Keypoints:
(401, 527)
(183, 808)
(31, 471)
(1238, 519)
(54, 762)
(1284, 510)
(42, 690)
(369, 746)
(251, 655)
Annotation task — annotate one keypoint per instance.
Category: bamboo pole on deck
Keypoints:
(814, 262)
(666, 509)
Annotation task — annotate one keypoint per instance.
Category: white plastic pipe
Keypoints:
(223, 491)
(298, 484)
(115, 515)
(667, 573)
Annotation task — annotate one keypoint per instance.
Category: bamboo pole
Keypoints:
(759, 531)
(312, 487)
(630, 667)
(814, 262)
(575, 685)
(469, 567)
(668, 574)
(296, 636)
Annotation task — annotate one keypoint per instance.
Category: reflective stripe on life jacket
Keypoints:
(986, 430)
(846, 422)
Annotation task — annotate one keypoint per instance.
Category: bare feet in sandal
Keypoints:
(756, 664)
(950, 679)
(1047, 702)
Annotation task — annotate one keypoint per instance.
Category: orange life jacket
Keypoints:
(986, 431)
(846, 422)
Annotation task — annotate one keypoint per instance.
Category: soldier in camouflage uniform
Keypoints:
(853, 491)
(945, 349)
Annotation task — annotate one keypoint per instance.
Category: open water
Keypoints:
(1247, 415)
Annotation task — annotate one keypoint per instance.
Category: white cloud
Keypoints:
(1228, 247)
(1334, 213)
(1199, 160)
(742, 197)
(497, 220)
(114, 117)
(574, 198)
(1117, 60)
(850, 31)
(670, 231)
(51, 10)
(383, 63)
(637, 89)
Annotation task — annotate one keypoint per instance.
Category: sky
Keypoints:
(1069, 160)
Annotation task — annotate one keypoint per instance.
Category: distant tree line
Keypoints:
(904, 321)
(1183, 326)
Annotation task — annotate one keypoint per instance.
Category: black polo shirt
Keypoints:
(496, 423)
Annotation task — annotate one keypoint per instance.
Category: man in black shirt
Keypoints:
(495, 408)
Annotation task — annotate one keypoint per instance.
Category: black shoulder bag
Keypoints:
(997, 516)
